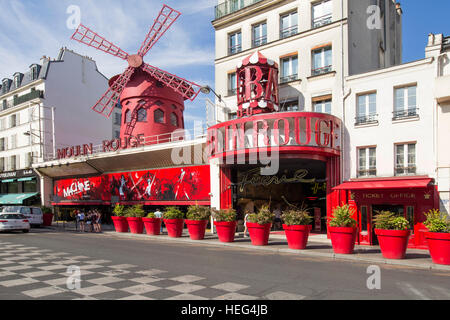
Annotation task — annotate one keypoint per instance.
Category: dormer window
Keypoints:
(34, 72)
(5, 86)
(17, 81)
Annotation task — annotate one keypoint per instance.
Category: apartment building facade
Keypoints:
(344, 59)
(45, 108)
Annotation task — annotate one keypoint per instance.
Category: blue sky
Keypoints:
(30, 29)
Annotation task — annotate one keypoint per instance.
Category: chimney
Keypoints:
(43, 59)
(398, 7)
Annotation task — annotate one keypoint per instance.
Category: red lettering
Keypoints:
(276, 134)
(257, 132)
(319, 133)
(307, 131)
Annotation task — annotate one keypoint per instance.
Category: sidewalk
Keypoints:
(318, 246)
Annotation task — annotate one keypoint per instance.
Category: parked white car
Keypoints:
(14, 222)
(33, 214)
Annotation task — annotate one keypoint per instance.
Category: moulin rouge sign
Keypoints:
(107, 146)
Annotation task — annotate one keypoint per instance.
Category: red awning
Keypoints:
(385, 184)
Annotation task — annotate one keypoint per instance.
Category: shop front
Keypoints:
(410, 197)
(19, 187)
(277, 159)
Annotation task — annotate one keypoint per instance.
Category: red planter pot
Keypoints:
(120, 223)
(225, 230)
(152, 226)
(259, 234)
(196, 228)
(297, 236)
(174, 227)
(136, 225)
(393, 243)
(439, 247)
(343, 239)
(47, 219)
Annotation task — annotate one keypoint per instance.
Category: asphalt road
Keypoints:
(115, 268)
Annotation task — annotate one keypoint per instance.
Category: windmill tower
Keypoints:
(152, 99)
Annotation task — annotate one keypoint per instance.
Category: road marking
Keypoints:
(444, 292)
(413, 290)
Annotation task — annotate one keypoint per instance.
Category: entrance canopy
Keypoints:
(403, 183)
(14, 198)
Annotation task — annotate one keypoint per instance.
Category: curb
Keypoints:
(333, 256)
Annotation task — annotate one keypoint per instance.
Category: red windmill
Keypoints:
(152, 99)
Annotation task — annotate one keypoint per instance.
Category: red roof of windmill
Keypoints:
(105, 106)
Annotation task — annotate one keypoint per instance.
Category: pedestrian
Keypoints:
(81, 218)
(158, 214)
(99, 221)
(77, 218)
(277, 221)
(247, 213)
(89, 220)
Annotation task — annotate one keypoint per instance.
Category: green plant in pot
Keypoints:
(151, 215)
(225, 223)
(393, 232)
(224, 215)
(119, 220)
(438, 236)
(134, 215)
(119, 210)
(173, 219)
(259, 225)
(297, 225)
(342, 229)
(198, 213)
(197, 220)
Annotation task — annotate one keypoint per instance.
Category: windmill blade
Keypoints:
(189, 90)
(164, 21)
(88, 37)
(109, 100)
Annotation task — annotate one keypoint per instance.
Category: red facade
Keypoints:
(173, 186)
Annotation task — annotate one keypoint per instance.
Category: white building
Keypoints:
(46, 108)
(315, 43)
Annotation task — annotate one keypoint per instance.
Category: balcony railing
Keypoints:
(321, 70)
(230, 6)
(287, 32)
(321, 21)
(367, 172)
(232, 92)
(259, 42)
(400, 170)
(235, 49)
(403, 114)
(371, 118)
(7, 105)
(289, 78)
(37, 94)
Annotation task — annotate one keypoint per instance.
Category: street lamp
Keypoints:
(208, 89)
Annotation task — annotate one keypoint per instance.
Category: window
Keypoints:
(116, 134)
(405, 159)
(364, 218)
(288, 25)
(2, 144)
(259, 34)
(234, 43)
(17, 81)
(322, 60)
(117, 119)
(13, 121)
(323, 106)
(410, 217)
(289, 69)
(2, 164)
(29, 160)
(4, 105)
(142, 115)
(12, 163)
(30, 186)
(232, 116)
(5, 86)
(13, 141)
(322, 13)
(367, 162)
(291, 105)
(34, 72)
(174, 119)
(128, 116)
(159, 116)
(366, 109)
(405, 104)
(232, 83)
